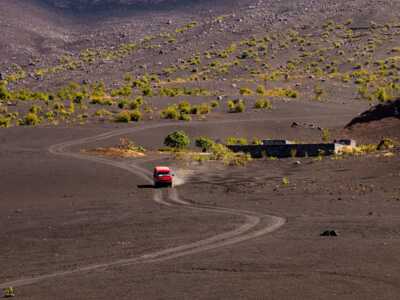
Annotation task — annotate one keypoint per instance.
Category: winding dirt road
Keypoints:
(254, 225)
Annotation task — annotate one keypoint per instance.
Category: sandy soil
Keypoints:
(79, 226)
(61, 213)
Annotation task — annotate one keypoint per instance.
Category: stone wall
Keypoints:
(289, 150)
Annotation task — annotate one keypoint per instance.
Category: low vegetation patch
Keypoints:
(236, 106)
(178, 142)
(127, 116)
(383, 146)
(263, 104)
(183, 110)
(126, 148)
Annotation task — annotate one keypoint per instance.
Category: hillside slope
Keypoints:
(29, 28)
(326, 51)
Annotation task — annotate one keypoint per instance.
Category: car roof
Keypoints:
(158, 169)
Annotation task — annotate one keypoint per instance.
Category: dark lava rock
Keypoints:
(378, 112)
(329, 233)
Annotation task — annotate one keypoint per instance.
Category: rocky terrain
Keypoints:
(310, 51)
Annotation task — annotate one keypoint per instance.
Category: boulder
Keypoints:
(329, 233)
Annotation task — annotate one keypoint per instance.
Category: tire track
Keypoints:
(255, 225)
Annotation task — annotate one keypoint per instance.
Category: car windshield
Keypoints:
(163, 173)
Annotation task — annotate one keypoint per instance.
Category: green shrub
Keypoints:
(123, 103)
(101, 101)
(83, 117)
(236, 106)
(204, 143)
(78, 98)
(221, 152)
(134, 105)
(214, 104)
(31, 119)
(318, 92)
(236, 141)
(5, 121)
(177, 140)
(147, 91)
(139, 100)
(246, 92)
(184, 107)
(4, 93)
(256, 141)
(231, 105)
(125, 90)
(261, 90)
(127, 144)
(170, 112)
(285, 181)
(263, 104)
(382, 94)
(136, 115)
(201, 109)
(9, 292)
(291, 94)
(58, 106)
(35, 109)
(50, 115)
(170, 92)
(102, 113)
(240, 107)
(326, 135)
(123, 117)
(40, 96)
(185, 117)
(386, 144)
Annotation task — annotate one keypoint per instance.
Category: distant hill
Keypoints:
(92, 3)
(95, 4)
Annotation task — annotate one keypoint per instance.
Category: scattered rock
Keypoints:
(329, 233)
(294, 124)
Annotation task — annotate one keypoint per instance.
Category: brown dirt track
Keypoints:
(61, 213)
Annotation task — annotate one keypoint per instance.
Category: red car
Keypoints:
(163, 176)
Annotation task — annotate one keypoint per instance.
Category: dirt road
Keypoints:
(255, 224)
